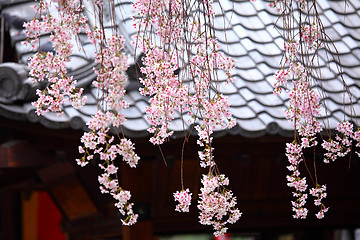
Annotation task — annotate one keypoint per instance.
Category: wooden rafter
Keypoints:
(19, 153)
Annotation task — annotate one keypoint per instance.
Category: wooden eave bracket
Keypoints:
(19, 153)
(67, 191)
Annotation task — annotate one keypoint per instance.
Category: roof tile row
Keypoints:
(254, 42)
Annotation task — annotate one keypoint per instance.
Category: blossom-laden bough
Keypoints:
(304, 36)
(180, 71)
(177, 34)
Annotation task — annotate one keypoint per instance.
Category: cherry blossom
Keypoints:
(217, 203)
(184, 199)
(297, 77)
(319, 193)
(181, 60)
(169, 42)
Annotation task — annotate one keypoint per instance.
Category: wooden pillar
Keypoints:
(10, 213)
(141, 190)
(142, 230)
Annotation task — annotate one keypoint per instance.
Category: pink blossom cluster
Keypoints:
(168, 91)
(100, 143)
(164, 16)
(111, 79)
(184, 199)
(206, 155)
(171, 41)
(213, 110)
(173, 35)
(110, 83)
(342, 143)
(275, 4)
(280, 5)
(356, 137)
(174, 44)
(97, 141)
(36, 27)
(319, 192)
(310, 35)
(304, 105)
(217, 203)
(294, 155)
(291, 49)
(110, 185)
(281, 77)
(304, 102)
(66, 22)
(50, 67)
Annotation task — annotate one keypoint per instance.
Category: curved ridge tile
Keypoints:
(236, 100)
(227, 88)
(277, 112)
(13, 112)
(249, 22)
(245, 8)
(259, 87)
(244, 62)
(136, 125)
(253, 74)
(323, 4)
(342, 7)
(257, 46)
(132, 112)
(260, 37)
(332, 85)
(270, 100)
(247, 94)
(228, 36)
(243, 112)
(236, 50)
(255, 127)
(256, 107)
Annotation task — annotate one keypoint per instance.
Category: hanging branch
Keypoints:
(181, 65)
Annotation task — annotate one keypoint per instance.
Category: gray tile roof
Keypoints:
(248, 30)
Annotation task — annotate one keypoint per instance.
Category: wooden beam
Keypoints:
(19, 153)
(67, 191)
(140, 231)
